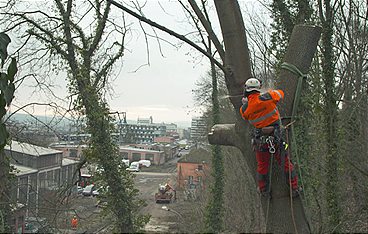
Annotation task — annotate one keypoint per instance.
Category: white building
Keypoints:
(198, 128)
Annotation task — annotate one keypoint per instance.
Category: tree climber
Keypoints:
(261, 111)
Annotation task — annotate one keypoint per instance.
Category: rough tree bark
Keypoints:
(281, 215)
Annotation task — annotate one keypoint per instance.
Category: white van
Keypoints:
(134, 166)
(146, 163)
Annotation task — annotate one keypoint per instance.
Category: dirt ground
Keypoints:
(172, 217)
(164, 217)
(162, 220)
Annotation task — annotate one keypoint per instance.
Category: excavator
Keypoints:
(166, 194)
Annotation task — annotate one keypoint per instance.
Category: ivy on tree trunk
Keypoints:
(7, 89)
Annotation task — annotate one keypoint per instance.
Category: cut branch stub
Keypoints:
(224, 134)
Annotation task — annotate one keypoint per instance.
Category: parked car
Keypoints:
(146, 163)
(100, 191)
(134, 166)
(80, 189)
(95, 193)
(88, 190)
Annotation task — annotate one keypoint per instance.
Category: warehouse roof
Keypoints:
(196, 156)
(29, 149)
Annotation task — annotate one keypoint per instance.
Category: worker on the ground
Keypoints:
(261, 111)
(74, 222)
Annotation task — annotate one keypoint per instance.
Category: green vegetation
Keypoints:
(7, 89)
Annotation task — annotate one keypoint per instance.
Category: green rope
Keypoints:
(292, 68)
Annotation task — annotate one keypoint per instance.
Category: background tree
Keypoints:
(7, 89)
(349, 47)
(330, 112)
(330, 99)
(215, 209)
(88, 57)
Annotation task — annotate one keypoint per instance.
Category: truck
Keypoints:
(166, 194)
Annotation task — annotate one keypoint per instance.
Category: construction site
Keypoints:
(168, 207)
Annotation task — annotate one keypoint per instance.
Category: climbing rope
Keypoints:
(292, 68)
(271, 150)
(289, 179)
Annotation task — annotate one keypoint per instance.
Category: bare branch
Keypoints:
(181, 37)
(207, 25)
(50, 37)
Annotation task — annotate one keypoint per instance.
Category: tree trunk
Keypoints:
(215, 214)
(105, 153)
(4, 193)
(281, 214)
(330, 115)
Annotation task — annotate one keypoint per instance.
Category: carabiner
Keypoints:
(272, 150)
(271, 146)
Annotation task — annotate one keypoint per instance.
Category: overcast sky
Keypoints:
(163, 88)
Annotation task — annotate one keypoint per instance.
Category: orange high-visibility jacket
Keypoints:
(74, 222)
(260, 109)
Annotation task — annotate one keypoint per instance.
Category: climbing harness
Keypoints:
(266, 139)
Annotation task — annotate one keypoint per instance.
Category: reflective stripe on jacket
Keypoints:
(260, 109)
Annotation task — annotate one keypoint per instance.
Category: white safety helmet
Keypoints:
(253, 84)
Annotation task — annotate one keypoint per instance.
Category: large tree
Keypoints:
(237, 68)
(302, 45)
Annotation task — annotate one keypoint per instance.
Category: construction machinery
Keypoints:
(165, 194)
